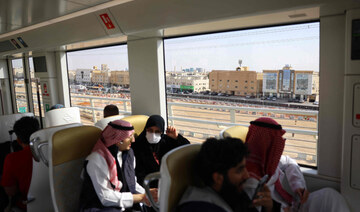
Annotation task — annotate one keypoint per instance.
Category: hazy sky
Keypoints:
(259, 49)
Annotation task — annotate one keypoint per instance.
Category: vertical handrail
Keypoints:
(125, 105)
(232, 116)
(170, 114)
(92, 109)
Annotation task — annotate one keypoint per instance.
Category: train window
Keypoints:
(19, 84)
(35, 90)
(99, 77)
(282, 62)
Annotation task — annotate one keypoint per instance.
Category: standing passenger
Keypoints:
(18, 165)
(109, 175)
(152, 144)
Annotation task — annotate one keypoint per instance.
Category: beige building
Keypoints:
(241, 82)
(120, 78)
(100, 77)
(177, 82)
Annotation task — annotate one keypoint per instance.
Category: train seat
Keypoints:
(62, 116)
(39, 195)
(138, 121)
(235, 132)
(176, 174)
(68, 150)
(103, 122)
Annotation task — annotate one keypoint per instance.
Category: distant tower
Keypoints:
(240, 62)
(239, 68)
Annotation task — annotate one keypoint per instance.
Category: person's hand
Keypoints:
(287, 209)
(154, 194)
(171, 132)
(138, 198)
(303, 194)
(264, 199)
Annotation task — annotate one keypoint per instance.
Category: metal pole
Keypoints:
(93, 111)
(232, 116)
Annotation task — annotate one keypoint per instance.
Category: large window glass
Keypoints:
(19, 84)
(218, 80)
(99, 77)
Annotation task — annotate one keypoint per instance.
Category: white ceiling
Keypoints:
(16, 14)
(53, 23)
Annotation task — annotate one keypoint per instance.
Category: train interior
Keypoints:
(45, 32)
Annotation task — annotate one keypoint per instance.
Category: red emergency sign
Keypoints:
(358, 116)
(107, 21)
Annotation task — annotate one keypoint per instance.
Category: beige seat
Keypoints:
(39, 191)
(104, 122)
(138, 121)
(68, 150)
(176, 174)
(235, 132)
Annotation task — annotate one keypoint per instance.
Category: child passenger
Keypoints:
(109, 174)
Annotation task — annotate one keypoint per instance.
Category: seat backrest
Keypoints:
(176, 175)
(235, 132)
(138, 121)
(62, 116)
(103, 122)
(40, 185)
(6, 124)
(68, 150)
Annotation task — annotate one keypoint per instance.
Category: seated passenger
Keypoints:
(109, 175)
(266, 145)
(152, 144)
(220, 165)
(111, 110)
(17, 171)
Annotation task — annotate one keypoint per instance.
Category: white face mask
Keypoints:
(153, 138)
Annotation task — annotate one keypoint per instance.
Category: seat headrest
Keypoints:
(62, 116)
(235, 132)
(138, 122)
(73, 143)
(104, 122)
(6, 124)
(44, 134)
(177, 174)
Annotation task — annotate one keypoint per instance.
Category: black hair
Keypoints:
(219, 155)
(24, 127)
(111, 110)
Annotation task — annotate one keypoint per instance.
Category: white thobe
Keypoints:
(98, 171)
(291, 178)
